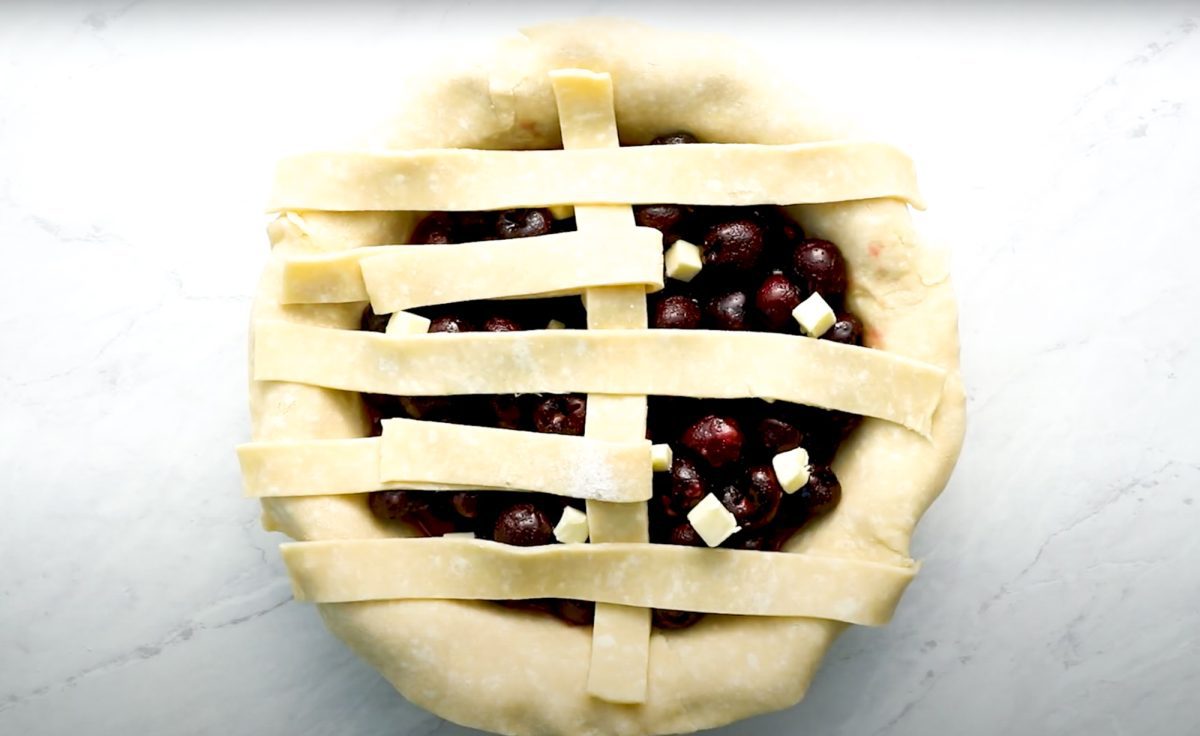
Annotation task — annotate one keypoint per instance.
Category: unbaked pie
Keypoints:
(603, 390)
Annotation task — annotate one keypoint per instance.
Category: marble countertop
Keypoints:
(1060, 592)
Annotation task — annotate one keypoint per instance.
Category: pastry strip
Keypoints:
(398, 277)
(701, 173)
(440, 456)
(698, 363)
(618, 670)
(567, 466)
(646, 575)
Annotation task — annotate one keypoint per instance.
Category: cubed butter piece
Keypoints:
(572, 528)
(814, 315)
(683, 261)
(712, 521)
(407, 323)
(561, 211)
(459, 535)
(791, 469)
(661, 457)
(555, 325)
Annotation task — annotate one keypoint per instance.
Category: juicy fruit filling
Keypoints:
(757, 266)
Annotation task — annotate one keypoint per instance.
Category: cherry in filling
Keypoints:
(758, 265)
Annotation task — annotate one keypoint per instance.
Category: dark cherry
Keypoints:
(509, 411)
(669, 620)
(822, 492)
(777, 435)
(395, 504)
(524, 223)
(786, 231)
(465, 504)
(824, 431)
(751, 540)
(371, 322)
(552, 506)
(736, 244)
(677, 312)
(668, 416)
(523, 525)
(435, 229)
(497, 323)
(728, 311)
(374, 422)
(776, 299)
(820, 266)
(450, 323)
(848, 330)
(673, 139)
(687, 488)
(664, 217)
(576, 613)
(475, 411)
(473, 226)
(414, 507)
(845, 423)
(685, 535)
(384, 405)
(565, 225)
(535, 605)
(755, 501)
(718, 440)
(432, 408)
(561, 415)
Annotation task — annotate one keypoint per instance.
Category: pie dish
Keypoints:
(422, 365)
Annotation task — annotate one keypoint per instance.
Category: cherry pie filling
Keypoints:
(757, 267)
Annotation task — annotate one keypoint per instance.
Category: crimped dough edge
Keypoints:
(512, 672)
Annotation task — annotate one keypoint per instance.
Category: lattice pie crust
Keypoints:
(410, 606)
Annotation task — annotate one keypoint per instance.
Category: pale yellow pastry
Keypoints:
(490, 383)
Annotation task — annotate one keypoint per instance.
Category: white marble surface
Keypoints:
(1058, 147)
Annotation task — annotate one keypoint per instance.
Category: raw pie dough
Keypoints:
(617, 668)
(512, 672)
(398, 277)
(439, 456)
(700, 363)
(716, 581)
(738, 174)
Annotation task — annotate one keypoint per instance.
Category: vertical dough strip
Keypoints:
(620, 634)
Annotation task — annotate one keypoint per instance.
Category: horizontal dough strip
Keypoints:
(440, 456)
(698, 363)
(646, 575)
(398, 277)
(702, 174)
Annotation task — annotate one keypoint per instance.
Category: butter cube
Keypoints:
(791, 469)
(407, 323)
(572, 528)
(814, 315)
(712, 521)
(661, 457)
(683, 261)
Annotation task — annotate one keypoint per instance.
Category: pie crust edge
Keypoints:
(513, 672)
